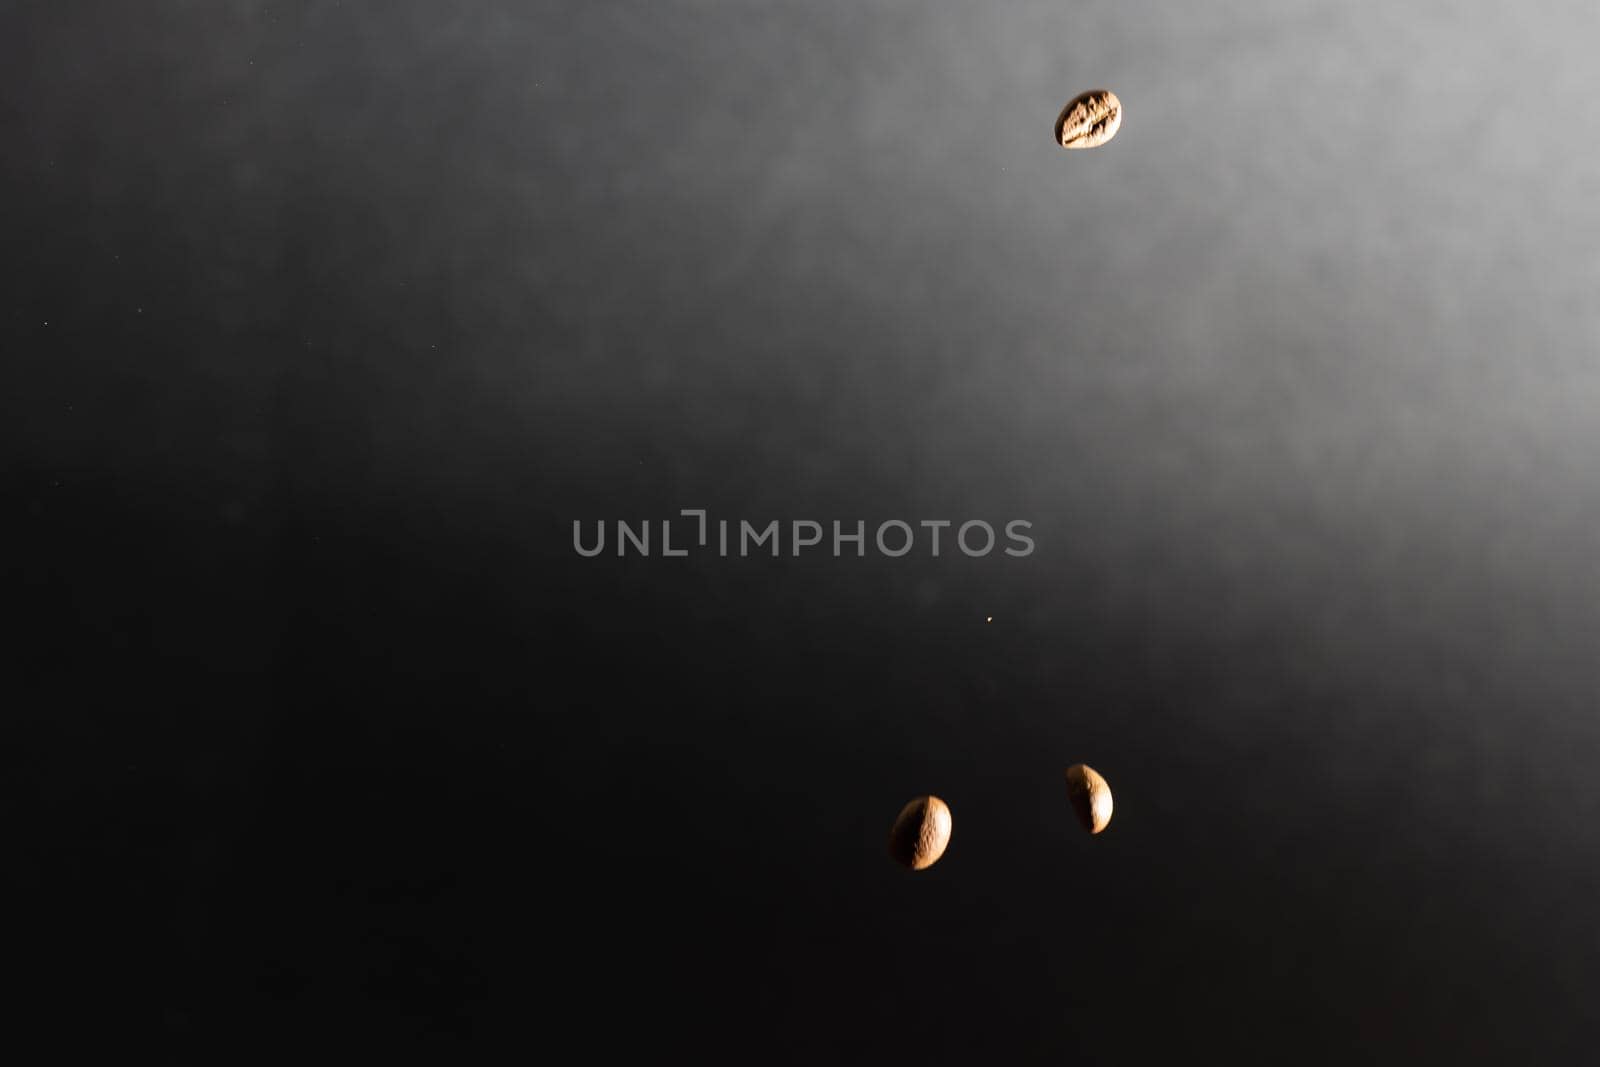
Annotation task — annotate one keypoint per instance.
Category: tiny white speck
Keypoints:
(989, 619)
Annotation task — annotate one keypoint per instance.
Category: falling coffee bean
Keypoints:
(921, 833)
(1090, 797)
(1089, 120)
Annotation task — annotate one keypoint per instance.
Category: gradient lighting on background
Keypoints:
(328, 735)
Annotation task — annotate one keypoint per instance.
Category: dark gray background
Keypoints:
(324, 321)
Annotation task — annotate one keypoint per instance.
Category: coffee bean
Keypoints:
(1089, 120)
(1090, 797)
(921, 833)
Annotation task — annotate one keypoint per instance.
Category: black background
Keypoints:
(324, 322)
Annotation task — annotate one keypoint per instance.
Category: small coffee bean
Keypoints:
(1090, 797)
(1089, 120)
(921, 833)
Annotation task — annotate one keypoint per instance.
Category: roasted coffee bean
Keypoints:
(1089, 120)
(921, 833)
(1090, 797)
